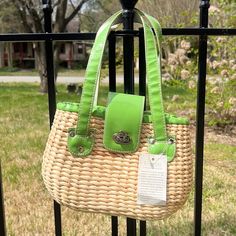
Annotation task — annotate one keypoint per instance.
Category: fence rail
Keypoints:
(203, 32)
(91, 36)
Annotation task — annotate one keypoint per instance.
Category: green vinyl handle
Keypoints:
(154, 23)
(152, 54)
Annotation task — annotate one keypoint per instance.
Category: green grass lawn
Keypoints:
(24, 130)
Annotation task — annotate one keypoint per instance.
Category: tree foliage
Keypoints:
(30, 17)
(96, 12)
(171, 13)
(9, 18)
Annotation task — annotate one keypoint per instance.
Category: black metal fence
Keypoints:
(128, 33)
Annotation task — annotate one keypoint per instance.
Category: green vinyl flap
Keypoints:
(123, 122)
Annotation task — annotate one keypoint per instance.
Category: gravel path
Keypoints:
(60, 79)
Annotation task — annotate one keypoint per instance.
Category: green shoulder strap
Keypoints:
(152, 22)
(158, 145)
(153, 57)
(92, 75)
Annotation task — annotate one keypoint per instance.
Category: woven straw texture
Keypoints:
(106, 182)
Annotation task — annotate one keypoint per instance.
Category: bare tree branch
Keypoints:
(35, 16)
(55, 4)
(90, 18)
(22, 13)
(76, 10)
(105, 10)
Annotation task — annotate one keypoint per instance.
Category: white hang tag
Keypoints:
(152, 179)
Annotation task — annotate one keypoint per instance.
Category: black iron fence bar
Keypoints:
(184, 31)
(114, 226)
(112, 63)
(48, 36)
(143, 228)
(49, 64)
(199, 31)
(128, 52)
(47, 9)
(2, 212)
(128, 58)
(142, 91)
(112, 88)
(91, 36)
(142, 65)
(200, 120)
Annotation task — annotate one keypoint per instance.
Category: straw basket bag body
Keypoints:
(120, 160)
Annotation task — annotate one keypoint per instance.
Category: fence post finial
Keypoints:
(128, 4)
(205, 3)
(47, 4)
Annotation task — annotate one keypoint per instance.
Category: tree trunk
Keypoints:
(1, 54)
(56, 54)
(40, 56)
(10, 54)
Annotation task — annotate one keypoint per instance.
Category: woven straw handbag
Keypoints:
(120, 160)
